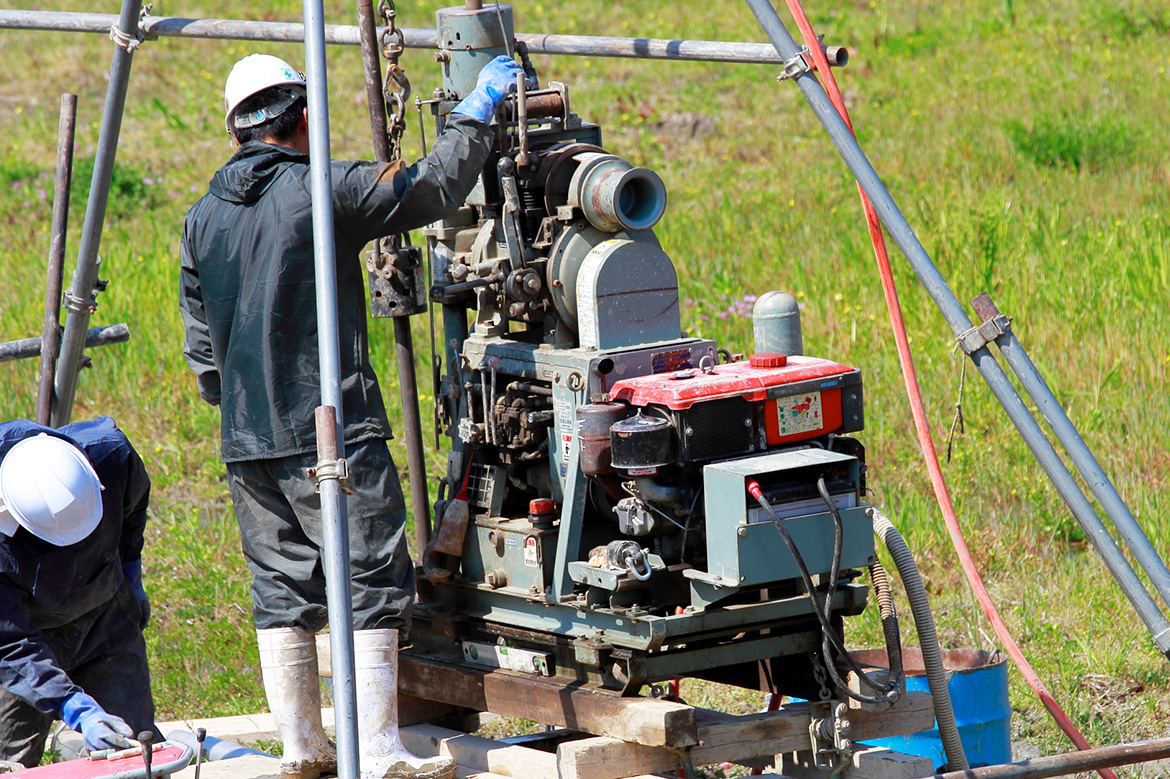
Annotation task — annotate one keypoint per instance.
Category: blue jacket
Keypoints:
(60, 607)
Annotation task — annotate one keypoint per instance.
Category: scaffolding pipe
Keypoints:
(955, 315)
(51, 329)
(349, 35)
(27, 348)
(1070, 438)
(416, 464)
(1071, 763)
(330, 416)
(79, 299)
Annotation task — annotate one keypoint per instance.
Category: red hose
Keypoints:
(942, 495)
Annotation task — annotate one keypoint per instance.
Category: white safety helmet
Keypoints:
(254, 74)
(48, 487)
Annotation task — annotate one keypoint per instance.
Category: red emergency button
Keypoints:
(541, 506)
(768, 360)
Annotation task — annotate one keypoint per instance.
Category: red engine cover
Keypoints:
(805, 413)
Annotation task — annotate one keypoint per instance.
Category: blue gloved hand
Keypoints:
(490, 89)
(133, 572)
(498, 77)
(100, 729)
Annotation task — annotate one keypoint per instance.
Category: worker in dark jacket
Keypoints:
(72, 607)
(248, 298)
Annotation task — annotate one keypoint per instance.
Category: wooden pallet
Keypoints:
(717, 738)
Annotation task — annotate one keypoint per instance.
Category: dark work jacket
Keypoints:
(60, 606)
(247, 288)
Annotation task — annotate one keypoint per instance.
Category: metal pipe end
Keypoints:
(838, 56)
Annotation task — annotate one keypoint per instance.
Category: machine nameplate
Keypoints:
(509, 658)
(670, 361)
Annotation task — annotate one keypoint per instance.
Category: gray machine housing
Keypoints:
(553, 287)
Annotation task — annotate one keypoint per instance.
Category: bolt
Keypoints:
(558, 283)
(741, 531)
(442, 56)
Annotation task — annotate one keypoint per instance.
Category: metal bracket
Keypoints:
(74, 303)
(797, 66)
(971, 341)
(124, 41)
(332, 469)
(829, 732)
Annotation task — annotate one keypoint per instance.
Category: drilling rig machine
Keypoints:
(613, 489)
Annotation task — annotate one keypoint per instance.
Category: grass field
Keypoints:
(1025, 143)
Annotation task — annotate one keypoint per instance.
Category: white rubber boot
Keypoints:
(382, 754)
(288, 661)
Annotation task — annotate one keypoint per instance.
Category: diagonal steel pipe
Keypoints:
(955, 316)
(1078, 451)
(79, 300)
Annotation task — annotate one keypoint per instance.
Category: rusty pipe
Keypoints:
(51, 330)
(1070, 762)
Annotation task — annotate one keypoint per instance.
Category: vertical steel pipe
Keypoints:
(416, 464)
(953, 312)
(333, 513)
(85, 275)
(51, 331)
(1082, 457)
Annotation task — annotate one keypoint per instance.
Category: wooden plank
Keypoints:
(866, 763)
(582, 707)
(728, 738)
(479, 754)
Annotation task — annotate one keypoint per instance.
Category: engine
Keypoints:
(595, 516)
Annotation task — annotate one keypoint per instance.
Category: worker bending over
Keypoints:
(248, 299)
(72, 607)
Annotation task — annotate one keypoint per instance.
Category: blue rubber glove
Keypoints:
(100, 729)
(133, 572)
(494, 81)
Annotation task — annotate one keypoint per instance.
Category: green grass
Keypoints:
(1026, 143)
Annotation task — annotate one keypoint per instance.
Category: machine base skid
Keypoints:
(621, 649)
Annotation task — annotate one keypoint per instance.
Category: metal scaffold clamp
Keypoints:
(971, 341)
(796, 66)
(332, 469)
(132, 42)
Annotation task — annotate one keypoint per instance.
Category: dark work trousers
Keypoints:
(279, 513)
(106, 657)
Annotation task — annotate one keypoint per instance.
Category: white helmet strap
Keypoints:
(243, 121)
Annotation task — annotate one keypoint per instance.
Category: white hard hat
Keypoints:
(254, 74)
(48, 487)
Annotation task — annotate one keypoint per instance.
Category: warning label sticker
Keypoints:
(531, 552)
(566, 446)
(799, 413)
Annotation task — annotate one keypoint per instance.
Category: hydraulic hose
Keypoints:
(889, 616)
(910, 377)
(936, 675)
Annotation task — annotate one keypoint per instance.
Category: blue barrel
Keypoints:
(979, 694)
